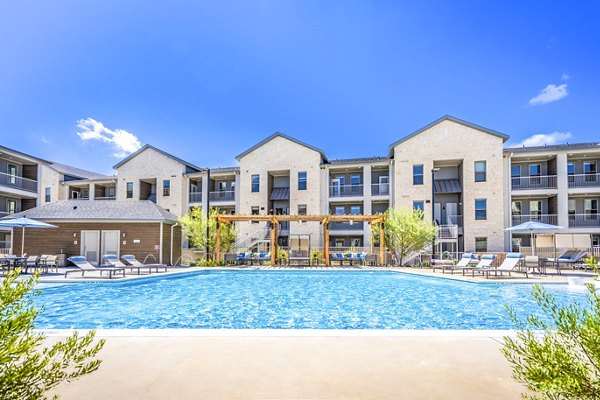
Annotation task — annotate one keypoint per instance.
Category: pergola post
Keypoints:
(274, 234)
(326, 240)
(372, 238)
(381, 244)
(218, 242)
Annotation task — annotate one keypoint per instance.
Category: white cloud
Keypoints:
(565, 76)
(45, 141)
(542, 139)
(549, 94)
(123, 142)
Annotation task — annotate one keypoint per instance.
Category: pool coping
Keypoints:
(270, 333)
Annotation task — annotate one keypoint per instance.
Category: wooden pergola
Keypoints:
(323, 219)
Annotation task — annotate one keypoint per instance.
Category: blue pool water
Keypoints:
(291, 299)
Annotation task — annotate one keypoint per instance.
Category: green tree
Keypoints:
(195, 224)
(559, 359)
(405, 231)
(28, 371)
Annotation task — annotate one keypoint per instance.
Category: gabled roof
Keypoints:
(148, 146)
(360, 160)
(94, 210)
(76, 172)
(554, 147)
(279, 134)
(452, 119)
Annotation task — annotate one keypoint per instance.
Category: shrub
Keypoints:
(28, 371)
(561, 359)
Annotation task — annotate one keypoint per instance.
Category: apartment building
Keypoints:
(557, 185)
(460, 174)
(27, 182)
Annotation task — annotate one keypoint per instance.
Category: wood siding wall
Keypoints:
(61, 239)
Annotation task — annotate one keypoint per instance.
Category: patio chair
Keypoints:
(35, 262)
(84, 266)
(571, 257)
(482, 266)
(51, 262)
(356, 257)
(242, 257)
(510, 264)
(262, 257)
(134, 263)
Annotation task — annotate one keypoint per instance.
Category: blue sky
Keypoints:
(86, 82)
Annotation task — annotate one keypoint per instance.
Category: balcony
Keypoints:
(584, 220)
(456, 220)
(345, 190)
(113, 197)
(551, 219)
(195, 197)
(380, 189)
(533, 182)
(446, 232)
(346, 226)
(18, 182)
(584, 180)
(224, 195)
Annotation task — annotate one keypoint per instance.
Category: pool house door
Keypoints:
(110, 242)
(90, 246)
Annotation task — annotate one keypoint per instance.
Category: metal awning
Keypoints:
(280, 194)
(447, 186)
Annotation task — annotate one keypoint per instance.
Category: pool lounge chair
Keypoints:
(261, 257)
(572, 258)
(510, 264)
(466, 261)
(243, 257)
(84, 266)
(133, 262)
(356, 258)
(112, 260)
(333, 257)
(482, 266)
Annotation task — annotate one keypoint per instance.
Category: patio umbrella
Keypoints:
(23, 223)
(533, 226)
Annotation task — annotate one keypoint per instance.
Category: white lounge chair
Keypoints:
(466, 261)
(112, 260)
(131, 260)
(84, 266)
(510, 264)
(484, 264)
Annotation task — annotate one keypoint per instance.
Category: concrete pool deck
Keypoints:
(298, 367)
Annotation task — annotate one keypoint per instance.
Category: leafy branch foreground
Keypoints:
(559, 359)
(28, 371)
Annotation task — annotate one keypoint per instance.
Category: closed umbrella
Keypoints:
(532, 226)
(23, 223)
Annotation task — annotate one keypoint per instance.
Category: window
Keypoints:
(12, 174)
(590, 208)
(166, 187)
(572, 207)
(571, 172)
(480, 171)
(11, 206)
(516, 208)
(535, 171)
(418, 174)
(255, 183)
(75, 194)
(535, 209)
(302, 180)
(222, 186)
(48, 194)
(480, 209)
(355, 179)
(589, 169)
(130, 190)
(301, 209)
(355, 210)
(419, 205)
(340, 210)
(255, 210)
(515, 175)
(110, 191)
(481, 244)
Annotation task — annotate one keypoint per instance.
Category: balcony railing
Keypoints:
(447, 232)
(18, 182)
(584, 180)
(380, 189)
(584, 220)
(105, 198)
(345, 190)
(346, 226)
(454, 220)
(225, 195)
(195, 197)
(533, 182)
(551, 219)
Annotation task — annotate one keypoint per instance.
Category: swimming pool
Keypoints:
(289, 299)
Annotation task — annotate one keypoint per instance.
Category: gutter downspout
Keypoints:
(172, 226)
(160, 245)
